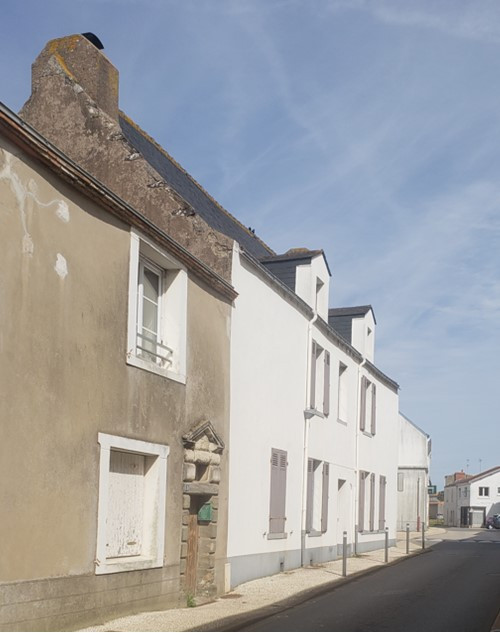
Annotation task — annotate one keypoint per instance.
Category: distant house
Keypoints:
(470, 499)
(436, 506)
(413, 475)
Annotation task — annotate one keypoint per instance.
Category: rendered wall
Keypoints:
(63, 379)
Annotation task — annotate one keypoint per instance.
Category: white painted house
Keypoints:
(470, 500)
(413, 475)
(299, 442)
(376, 432)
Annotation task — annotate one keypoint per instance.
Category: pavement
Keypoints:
(265, 596)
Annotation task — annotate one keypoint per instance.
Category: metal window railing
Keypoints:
(162, 355)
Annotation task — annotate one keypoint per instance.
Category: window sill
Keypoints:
(315, 412)
(135, 361)
(341, 421)
(276, 535)
(368, 434)
(127, 563)
(314, 533)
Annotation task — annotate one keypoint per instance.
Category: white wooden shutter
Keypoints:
(324, 500)
(326, 384)
(125, 518)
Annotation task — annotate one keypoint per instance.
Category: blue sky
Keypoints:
(368, 129)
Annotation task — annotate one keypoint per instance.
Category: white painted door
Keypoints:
(125, 505)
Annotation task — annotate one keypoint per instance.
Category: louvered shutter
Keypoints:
(381, 504)
(362, 405)
(361, 502)
(324, 500)
(372, 502)
(374, 409)
(326, 384)
(313, 375)
(277, 508)
(310, 495)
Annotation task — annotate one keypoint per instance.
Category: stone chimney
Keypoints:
(74, 105)
(81, 63)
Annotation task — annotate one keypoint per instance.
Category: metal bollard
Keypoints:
(386, 555)
(423, 535)
(407, 538)
(344, 555)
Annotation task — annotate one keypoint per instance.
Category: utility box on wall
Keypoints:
(205, 512)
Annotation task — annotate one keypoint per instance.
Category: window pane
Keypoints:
(151, 285)
(150, 316)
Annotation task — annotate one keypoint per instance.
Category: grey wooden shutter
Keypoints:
(362, 405)
(313, 375)
(361, 502)
(277, 507)
(324, 500)
(310, 495)
(374, 409)
(381, 503)
(326, 384)
(372, 502)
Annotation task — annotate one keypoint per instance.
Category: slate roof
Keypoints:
(180, 181)
(354, 311)
(285, 266)
(340, 319)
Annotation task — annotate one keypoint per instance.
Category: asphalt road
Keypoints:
(453, 586)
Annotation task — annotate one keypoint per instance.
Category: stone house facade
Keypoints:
(114, 381)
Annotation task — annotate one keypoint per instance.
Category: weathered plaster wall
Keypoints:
(63, 378)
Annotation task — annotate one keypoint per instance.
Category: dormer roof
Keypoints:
(340, 319)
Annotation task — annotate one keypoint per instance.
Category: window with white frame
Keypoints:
(318, 484)
(156, 338)
(131, 510)
(320, 379)
(484, 491)
(498, 490)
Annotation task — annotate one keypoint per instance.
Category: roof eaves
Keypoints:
(414, 425)
(389, 382)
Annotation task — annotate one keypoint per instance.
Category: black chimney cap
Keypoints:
(94, 39)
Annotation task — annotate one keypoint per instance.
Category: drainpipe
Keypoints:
(308, 414)
(356, 465)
